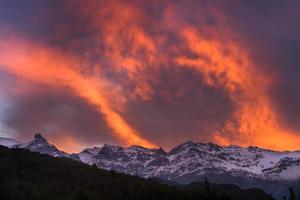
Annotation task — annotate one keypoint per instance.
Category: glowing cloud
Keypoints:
(228, 66)
(133, 42)
(44, 66)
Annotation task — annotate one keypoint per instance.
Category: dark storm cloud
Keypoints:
(52, 23)
(182, 109)
(56, 113)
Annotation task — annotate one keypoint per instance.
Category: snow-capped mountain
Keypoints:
(190, 162)
(8, 142)
(196, 159)
(40, 144)
(133, 160)
(249, 167)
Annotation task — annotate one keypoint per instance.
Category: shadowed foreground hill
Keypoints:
(33, 176)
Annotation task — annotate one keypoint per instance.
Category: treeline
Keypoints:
(292, 195)
(31, 176)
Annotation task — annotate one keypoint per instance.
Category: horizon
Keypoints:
(82, 148)
(151, 73)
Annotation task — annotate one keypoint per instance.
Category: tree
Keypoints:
(292, 194)
(212, 194)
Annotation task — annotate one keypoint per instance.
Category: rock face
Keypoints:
(189, 162)
(132, 160)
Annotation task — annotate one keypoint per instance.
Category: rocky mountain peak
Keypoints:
(213, 147)
(161, 151)
(136, 147)
(182, 147)
(41, 145)
(39, 137)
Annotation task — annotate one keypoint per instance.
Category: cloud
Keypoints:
(42, 66)
(155, 73)
(58, 114)
(181, 108)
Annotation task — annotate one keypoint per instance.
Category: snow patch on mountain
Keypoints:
(8, 142)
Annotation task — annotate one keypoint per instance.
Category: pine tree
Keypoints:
(212, 194)
(292, 194)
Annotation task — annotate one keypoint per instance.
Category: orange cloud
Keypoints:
(44, 66)
(66, 143)
(228, 66)
(130, 41)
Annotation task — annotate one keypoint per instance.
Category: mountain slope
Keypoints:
(28, 175)
(8, 142)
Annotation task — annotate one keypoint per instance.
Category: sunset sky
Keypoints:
(151, 73)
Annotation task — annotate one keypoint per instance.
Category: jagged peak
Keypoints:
(214, 147)
(182, 146)
(233, 146)
(110, 147)
(254, 149)
(161, 150)
(39, 137)
(136, 147)
(189, 142)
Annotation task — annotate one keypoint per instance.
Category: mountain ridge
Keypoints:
(190, 162)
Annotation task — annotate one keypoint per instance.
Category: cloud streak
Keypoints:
(43, 66)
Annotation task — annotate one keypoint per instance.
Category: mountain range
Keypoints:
(250, 167)
(30, 175)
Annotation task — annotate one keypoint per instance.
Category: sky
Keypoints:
(151, 73)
